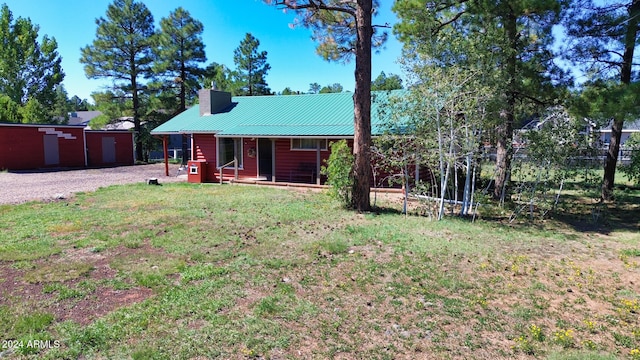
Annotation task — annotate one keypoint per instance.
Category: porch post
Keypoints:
(237, 144)
(235, 167)
(318, 162)
(165, 148)
(273, 160)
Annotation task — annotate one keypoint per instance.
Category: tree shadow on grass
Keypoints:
(580, 213)
(622, 214)
(385, 210)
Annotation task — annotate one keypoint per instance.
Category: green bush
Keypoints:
(339, 172)
(632, 170)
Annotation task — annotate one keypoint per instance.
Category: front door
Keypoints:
(265, 158)
(51, 150)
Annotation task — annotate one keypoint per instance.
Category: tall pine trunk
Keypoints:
(504, 148)
(136, 107)
(618, 121)
(183, 107)
(362, 109)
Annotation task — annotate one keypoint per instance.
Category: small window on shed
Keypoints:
(308, 144)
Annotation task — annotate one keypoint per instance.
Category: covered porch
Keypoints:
(255, 159)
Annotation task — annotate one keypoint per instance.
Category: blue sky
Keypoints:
(291, 52)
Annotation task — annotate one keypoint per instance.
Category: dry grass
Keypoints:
(208, 271)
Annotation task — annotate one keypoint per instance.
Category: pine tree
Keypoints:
(77, 104)
(122, 51)
(179, 54)
(180, 50)
(220, 77)
(343, 28)
(252, 67)
(59, 112)
(314, 88)
(605, 39)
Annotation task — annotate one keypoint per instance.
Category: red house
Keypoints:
(271, 138)
(27, 147)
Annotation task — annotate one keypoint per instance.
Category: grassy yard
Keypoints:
(188, 271)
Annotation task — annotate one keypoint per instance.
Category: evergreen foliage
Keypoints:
(314, 88)
(333, 88)
(30, 70)
(77, 104)
(220, 77)
(179, 52)
(384, 82)
(123, 52)
(61, 107)
(252, 67)
(605, 36)
(287, 91)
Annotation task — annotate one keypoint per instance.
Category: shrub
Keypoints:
(632, 169)
(339, 172)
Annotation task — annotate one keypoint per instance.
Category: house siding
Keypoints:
(204, 149)
(296, 165)
(290, 165)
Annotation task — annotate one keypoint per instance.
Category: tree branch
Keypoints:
(314, 5)
(534, 99)
(442, 25)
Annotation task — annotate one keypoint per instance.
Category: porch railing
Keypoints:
(235, 167)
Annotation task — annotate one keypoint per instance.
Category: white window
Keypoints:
(308, 144)
(229, 148)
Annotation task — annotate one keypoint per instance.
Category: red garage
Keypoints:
(27, 147)
(109, 148)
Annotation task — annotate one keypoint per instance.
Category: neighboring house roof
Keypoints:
(628, 126)
(123, 123)
(306, 115)
(82, 118)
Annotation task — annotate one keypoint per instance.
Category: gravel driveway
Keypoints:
(18, 187)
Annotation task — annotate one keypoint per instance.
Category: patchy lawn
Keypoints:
(208, 271)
